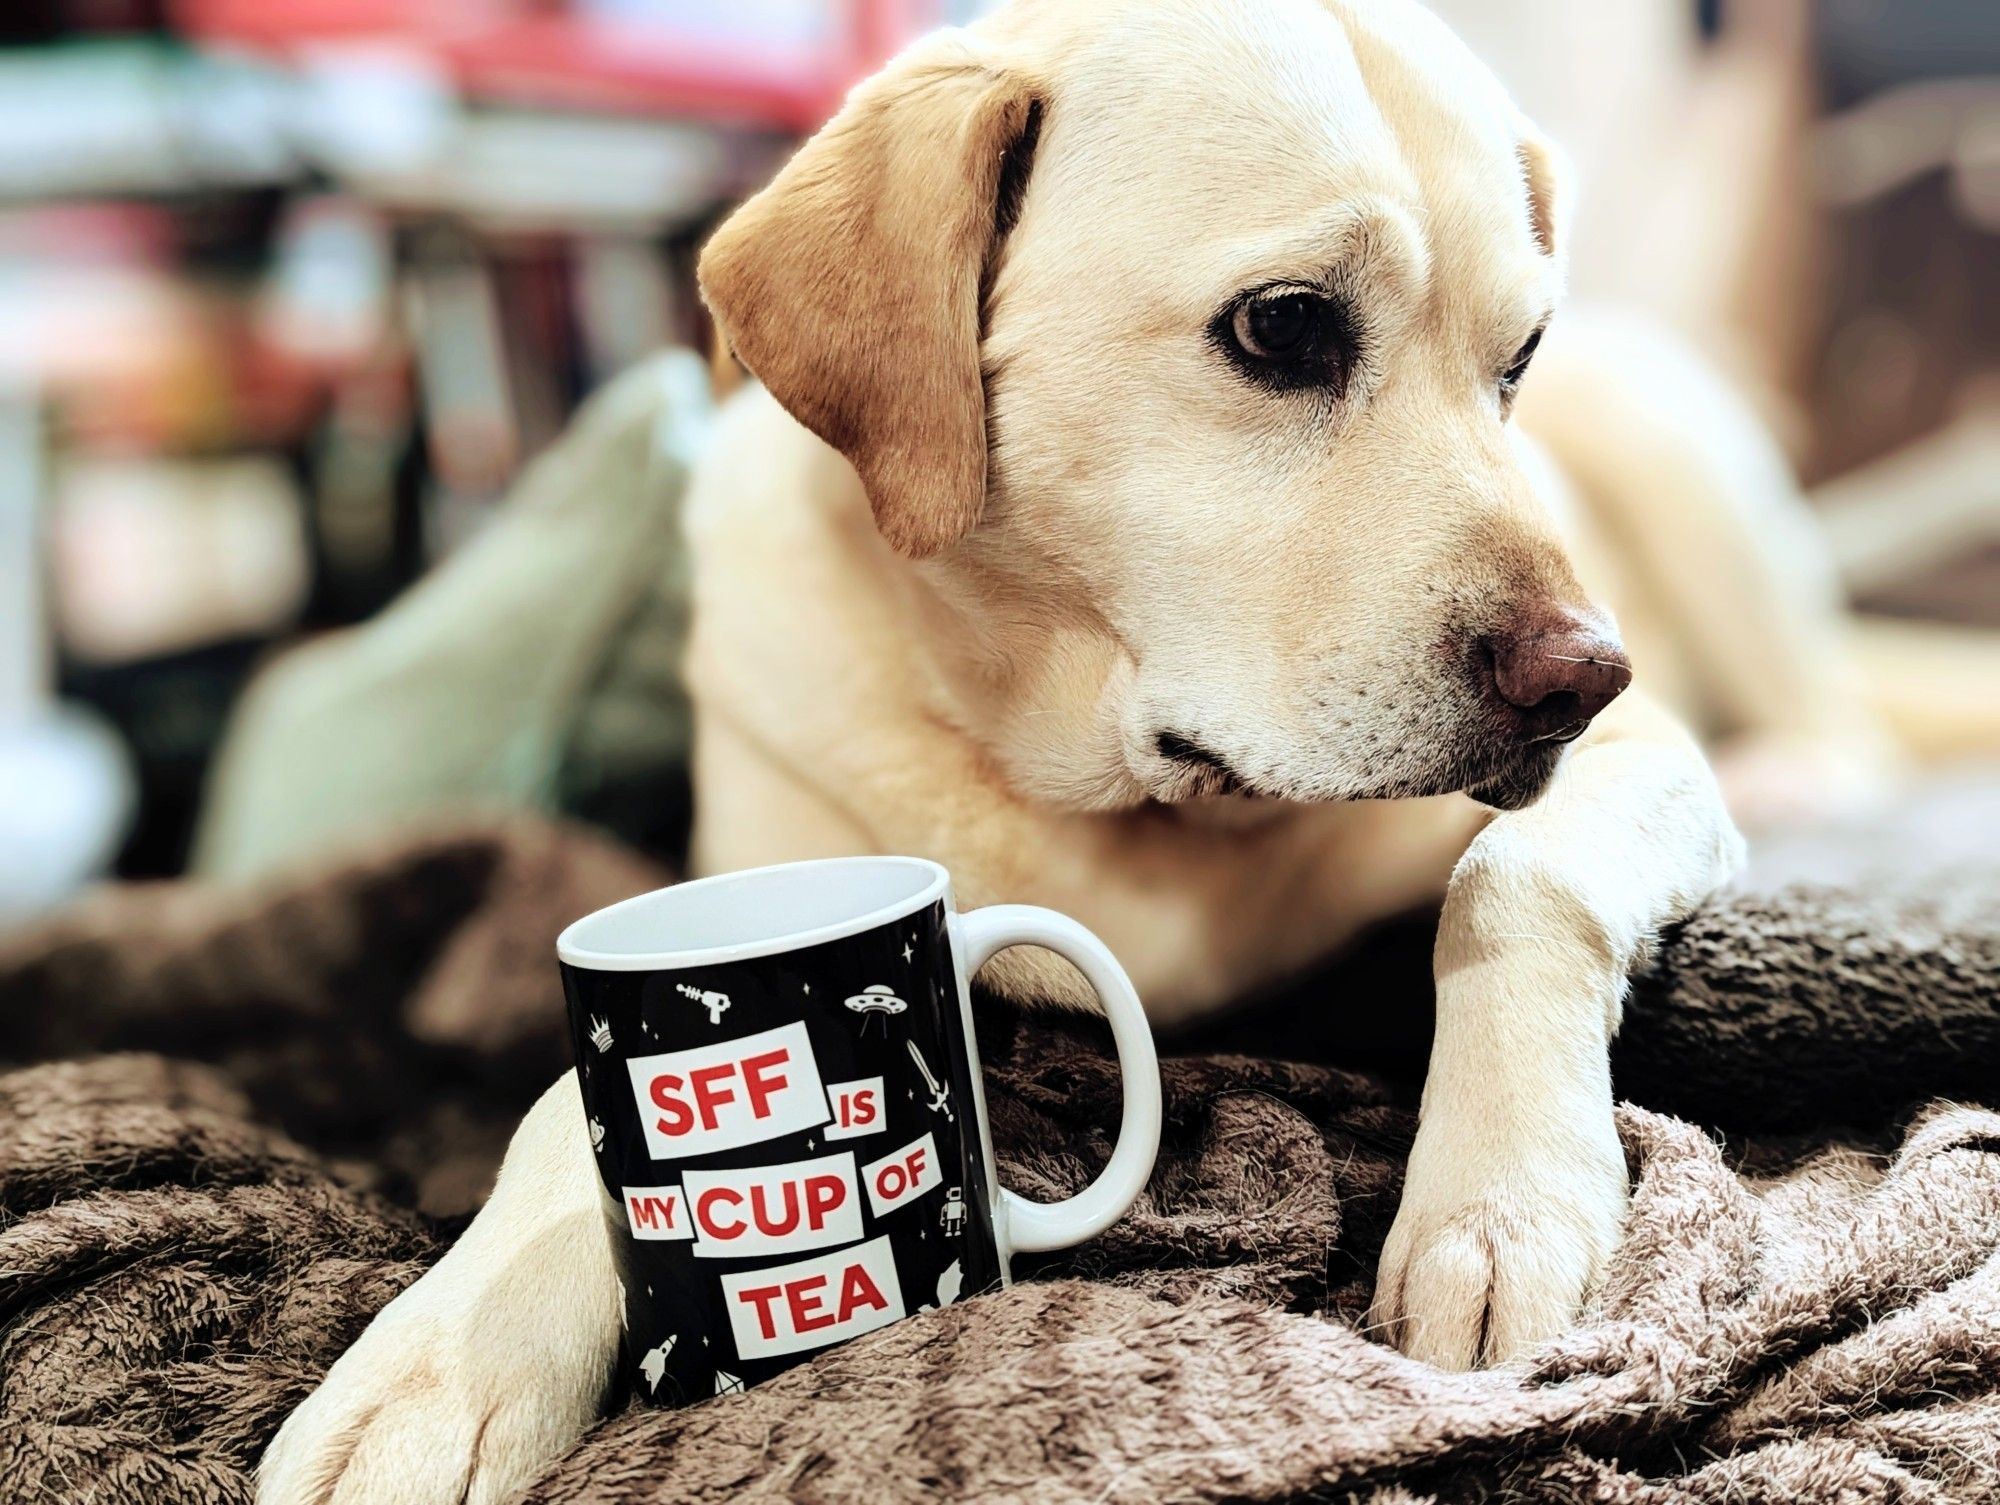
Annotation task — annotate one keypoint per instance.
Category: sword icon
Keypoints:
(940, 1091)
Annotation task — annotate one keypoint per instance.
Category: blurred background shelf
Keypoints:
(293, 287)
(291, 290)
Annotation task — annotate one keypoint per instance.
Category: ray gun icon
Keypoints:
(715, 1003)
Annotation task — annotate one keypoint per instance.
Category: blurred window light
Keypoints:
(524, 170)
(137, 116)
(150, 555)
(328, 295)
(83, 297)
(801, 29)
(373, 107)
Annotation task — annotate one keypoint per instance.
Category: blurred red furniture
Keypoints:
(521, 52)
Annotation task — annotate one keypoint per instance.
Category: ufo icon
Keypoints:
(872, 1000)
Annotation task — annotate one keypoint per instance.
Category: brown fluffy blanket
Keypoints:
(1799, 1319)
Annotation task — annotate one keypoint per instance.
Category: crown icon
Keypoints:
(600, 1034)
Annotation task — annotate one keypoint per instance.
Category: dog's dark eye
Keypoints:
(1275, 329)
(1289, 338)
(1510, 382)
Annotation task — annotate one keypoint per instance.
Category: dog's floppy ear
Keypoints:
(851, 285)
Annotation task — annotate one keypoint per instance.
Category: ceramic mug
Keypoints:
(783, 1095)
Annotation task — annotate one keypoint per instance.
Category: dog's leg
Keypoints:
(484, 1370)
(1516, 1184)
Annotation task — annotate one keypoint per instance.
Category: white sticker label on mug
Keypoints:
(656, 1212)
(775, 1209)
(719, 1097)
(813, 1302)
(857, 1108)
(901, 1175)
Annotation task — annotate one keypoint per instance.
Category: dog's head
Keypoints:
(1180, 340)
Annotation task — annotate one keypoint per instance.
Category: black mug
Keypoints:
(782, 1091)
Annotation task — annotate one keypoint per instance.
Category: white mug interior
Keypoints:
(760, 912)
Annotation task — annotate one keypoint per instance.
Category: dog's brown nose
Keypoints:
(1558, 671)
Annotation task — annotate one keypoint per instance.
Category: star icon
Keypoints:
(809, 987)
(907, 952)
(812, 1144)
(910, 1093)
(704, 1341)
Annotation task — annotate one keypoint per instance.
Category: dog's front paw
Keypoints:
(1495, 1248)
(461, 1390)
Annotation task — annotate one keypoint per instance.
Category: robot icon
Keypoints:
(951, 1217)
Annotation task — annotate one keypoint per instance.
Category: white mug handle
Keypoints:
(1030, 1227)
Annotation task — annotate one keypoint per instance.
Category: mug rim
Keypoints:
(571, 950)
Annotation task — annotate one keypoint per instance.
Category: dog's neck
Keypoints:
(1014, 660)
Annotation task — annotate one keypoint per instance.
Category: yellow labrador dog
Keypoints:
(1131, 517)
